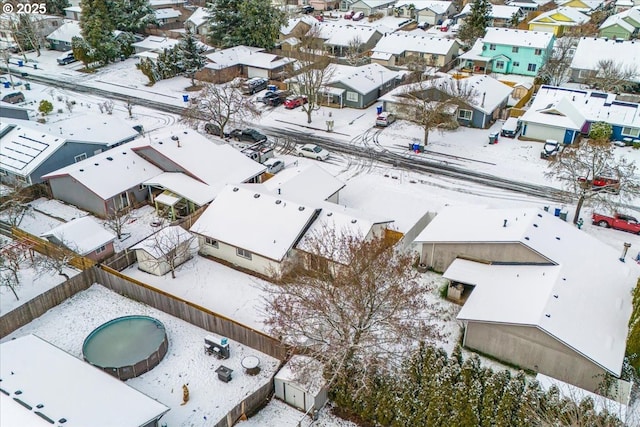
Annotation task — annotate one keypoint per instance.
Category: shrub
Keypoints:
(45, 107)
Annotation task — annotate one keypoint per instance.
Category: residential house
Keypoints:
(521, 272)
(84, 236)
(164, 250)
(33, 372)
(155, 44)
(197, 23)
(253, 230)
(404, 49)
(167, 16)
(499, 15)
(591, 52)
(621, 26)
(305, 182)
(243, 61)
(324, 4)
(29, 149)
(431, 12)
(585, 6)
(561, 113)
(558, 21)
(487, 98)
(297, 27)
(73, 12)
(509, 51)
(526, 6)
(340, 39)
(43, 26)
(369, 7)
(160, 4)
(11, 111)
(61, 38)
(357, 87)
(622, 5)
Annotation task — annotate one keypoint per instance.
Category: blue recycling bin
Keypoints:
(272, 88)
(379, 109)
(556, 212)
(20, 63)
(185, 98)
(7, 84)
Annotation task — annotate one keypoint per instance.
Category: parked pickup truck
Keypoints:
(618, 221)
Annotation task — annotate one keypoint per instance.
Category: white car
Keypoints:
(313, 151)
(274, 165)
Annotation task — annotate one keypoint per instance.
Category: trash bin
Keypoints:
(20, 63)
(272, 88)
(556, 212)
(27, 86)
(35, 66)
(185, 98)
(7, 84)
(379, 109)
(493, 138)
(563, 215)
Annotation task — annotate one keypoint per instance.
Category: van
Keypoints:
(384, 119)
(13, 98)
(511, 127)
(66, 58)
(253, 85)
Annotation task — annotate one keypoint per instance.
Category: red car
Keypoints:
(295, 101)
(349, 14)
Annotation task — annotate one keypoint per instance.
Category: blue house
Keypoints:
(487, 98)
(509, 51)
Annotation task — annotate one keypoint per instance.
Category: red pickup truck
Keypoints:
(618, 221)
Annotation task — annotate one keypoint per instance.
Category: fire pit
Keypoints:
(251, 365)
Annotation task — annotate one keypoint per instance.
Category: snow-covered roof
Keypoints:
(497, 11)
(304, 182)
(570, 17)
(23, 149)
(40, 371)
(585, 308)
(304, 371)
(73, 9)
(529, 4)
(438, 6)
(111, 172)
(291, 24)
(66, 32)
(623, 53)
(590, 5)
(592, 105)
(399, 42)
(197, 156)
(82, 235)
(198, 17)
(520, 38)
(184, 186)
(559, 113)
(262, 223)
(246, 55)
(344, 34)
(363, 79)
(166, 13)
(162, 242)
(155, 43)
(166, 3)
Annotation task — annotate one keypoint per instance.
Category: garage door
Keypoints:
(257, 72)
(294, 396)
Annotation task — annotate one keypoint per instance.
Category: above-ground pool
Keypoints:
(126, 347)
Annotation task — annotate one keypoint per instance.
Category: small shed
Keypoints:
(301, 384)
(157, 253)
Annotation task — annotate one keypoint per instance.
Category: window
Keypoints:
(538, 52)
(243, 253)
(531, 67)
(352, 96)
(80, 157)
(514, 49)
(583, 74)
(124, 199)
(98, 151)
(492, 47)
(101, 249)
(499, 64)
(465, 114)
(516, 64)
(209, 241)
(634, 132)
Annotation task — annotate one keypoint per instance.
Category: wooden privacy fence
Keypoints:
(249, 405)
(49, 249)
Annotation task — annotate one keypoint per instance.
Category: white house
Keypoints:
(305, 182)
(155, 44)
(532, 300)
(402, 48)
(61, 38)
(43, 385)
(85, 236)
(252, 230)
(624, 54)
(164, 250)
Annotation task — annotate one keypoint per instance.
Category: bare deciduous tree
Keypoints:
(354, 301)
(356, 54)
(592, 174)
(171, 245)
(57, 261)
(117, 219)
(219, 105)
(610, 76)
(11, 258)
(14, 206)
(129, 106)
(432, 104)
(556, 70)
(6, 57)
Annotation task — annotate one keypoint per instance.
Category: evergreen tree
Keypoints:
(633, 340)
(244, 22)
(476, 23)
(97, 25)
(133, 15)
(192, 55)
(56, 7)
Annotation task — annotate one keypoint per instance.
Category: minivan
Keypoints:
(511, 127)
(384, 119)
(66, 58)
(14, 98)
(253, 85)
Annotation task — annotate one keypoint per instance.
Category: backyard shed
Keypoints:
(300, 384)
(169, 246)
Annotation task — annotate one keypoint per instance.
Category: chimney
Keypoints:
(505, 223)
(624, 251)
(178, 141)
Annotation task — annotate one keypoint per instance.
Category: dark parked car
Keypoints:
(249, 135)
(214, 129)
(307, 9)
(13, 98)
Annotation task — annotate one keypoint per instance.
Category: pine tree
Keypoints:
(476, 23)
(133, 15)
(56, 7)
(192, 55)
(97, 25)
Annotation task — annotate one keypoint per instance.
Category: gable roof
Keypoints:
(343, 34)
(304, 182)
(496, 11)
(167, 13)
(262, 223)
(82, 235)
(623, 53)
(558, 113)
(291, 23)
(246, 55)
(520, 38)
(437, 6)
(585, 308)
(23, 149)
(399, 42)
(66, 32)
(198, 17)
(363, 79)
(159, 244)
(562, 16)
(619, 21)
(582, 5)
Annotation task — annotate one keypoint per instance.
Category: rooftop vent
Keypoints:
(278, 202)
(540, 215)
(555, 296)
(235, 189)
(526, 238)
(175, 138)
(353, 221)
(505, 223)
(547, 315)
(557, 238)
(535, 225)
(81, 170)
(301, 208)
(330, 213)
(255, 196)
(18, 392)
(96, 164)
(62, 420)
(124, 152)
(110, 158)
(39, 406)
